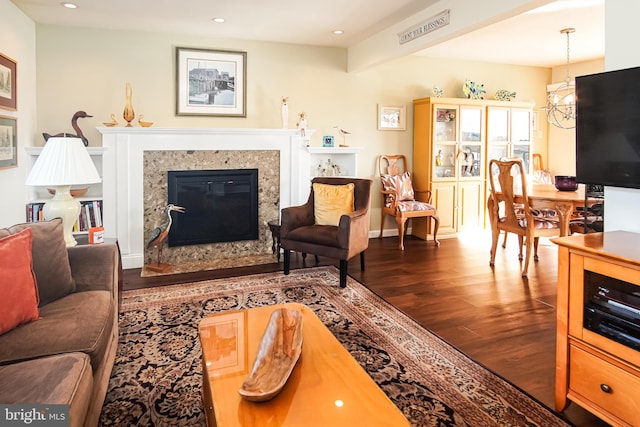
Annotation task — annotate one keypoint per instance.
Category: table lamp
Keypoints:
(62, 163)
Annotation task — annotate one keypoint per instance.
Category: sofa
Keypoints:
(61, 348)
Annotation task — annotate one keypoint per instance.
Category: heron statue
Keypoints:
(160, 234)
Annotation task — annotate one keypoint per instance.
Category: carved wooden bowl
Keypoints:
(279, 351)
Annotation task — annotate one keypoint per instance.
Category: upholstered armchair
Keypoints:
(334, 222)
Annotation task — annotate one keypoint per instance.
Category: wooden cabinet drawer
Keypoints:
(589, 375)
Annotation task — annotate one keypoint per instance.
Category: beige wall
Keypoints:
(83, 69)
(561, 159)
(18, 41)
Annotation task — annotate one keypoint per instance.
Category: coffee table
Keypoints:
(326, 388)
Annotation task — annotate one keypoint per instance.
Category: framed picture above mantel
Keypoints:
(8, 85)
(211, 82)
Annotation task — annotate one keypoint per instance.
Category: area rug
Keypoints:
(157, 377)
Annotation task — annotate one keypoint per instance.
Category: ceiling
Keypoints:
(533, 38)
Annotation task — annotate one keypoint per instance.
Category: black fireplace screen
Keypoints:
(220, 206)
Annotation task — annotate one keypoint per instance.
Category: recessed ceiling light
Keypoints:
(218, 20)
(69, 5)
(338, 32)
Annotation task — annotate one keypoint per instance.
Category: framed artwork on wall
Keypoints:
(8, 142)
(392, 118)
(211, 82)
(8, 86)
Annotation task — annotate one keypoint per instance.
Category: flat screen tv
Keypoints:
(608, 128)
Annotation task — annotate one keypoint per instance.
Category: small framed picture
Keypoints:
(8, 86)
(327, 141)
(211, 82)
(392, 118)
(8, 142)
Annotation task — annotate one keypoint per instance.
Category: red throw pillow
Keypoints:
(19, 302)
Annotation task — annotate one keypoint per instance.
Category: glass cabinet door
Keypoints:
(470, 124)
(520, 126)
(469, 154)
(469, 161)
(522, 151)
(446, 121)
(498, 127)
(444, 161)
(498, 151)
(521, 136)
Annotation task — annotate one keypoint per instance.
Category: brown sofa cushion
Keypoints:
(81, 321)
(64, 379)
(50, 258)
(19, 302)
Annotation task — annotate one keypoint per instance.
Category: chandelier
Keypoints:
(561, 98)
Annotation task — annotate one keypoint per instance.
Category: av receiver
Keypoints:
(615, 315)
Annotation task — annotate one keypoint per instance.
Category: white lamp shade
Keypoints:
(63, 161)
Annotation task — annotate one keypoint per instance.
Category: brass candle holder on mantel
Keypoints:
(128, 113)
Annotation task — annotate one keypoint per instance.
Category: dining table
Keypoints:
(564, 202)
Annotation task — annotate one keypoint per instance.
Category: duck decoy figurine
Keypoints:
(160, 234)
(74, 124)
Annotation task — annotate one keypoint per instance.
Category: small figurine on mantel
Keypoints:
(302, 124)
(344, 134)
(285, 111)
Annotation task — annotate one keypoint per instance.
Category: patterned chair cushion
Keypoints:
(414, 205)
(542, 218)
(401, 184)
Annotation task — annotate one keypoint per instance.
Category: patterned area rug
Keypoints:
(157, 376)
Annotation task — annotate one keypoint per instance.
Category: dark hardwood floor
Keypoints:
(493, 315)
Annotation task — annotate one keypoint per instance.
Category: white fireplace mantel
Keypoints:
(123, 171)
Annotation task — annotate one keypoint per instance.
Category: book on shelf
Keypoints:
(34, 212)
(90, 215)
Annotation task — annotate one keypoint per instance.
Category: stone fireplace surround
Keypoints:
(210, 255)
(123, 171)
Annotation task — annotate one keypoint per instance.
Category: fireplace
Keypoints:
(220, 206)
(134, 184)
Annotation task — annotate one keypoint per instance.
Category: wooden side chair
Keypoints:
(540, 174)
(399, 197)
(510, 210)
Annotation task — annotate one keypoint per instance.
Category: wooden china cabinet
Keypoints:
(453, 141)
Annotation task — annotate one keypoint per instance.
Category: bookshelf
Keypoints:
(91, 202)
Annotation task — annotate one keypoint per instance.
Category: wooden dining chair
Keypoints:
(399, 197)
(510, 211)
(540, 174)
